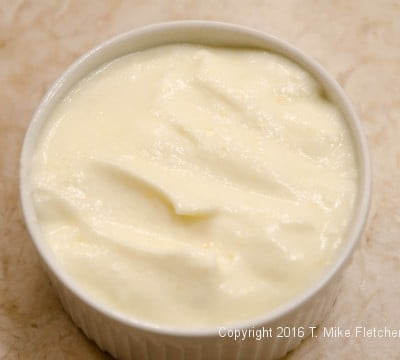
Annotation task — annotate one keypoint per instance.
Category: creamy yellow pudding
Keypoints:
(193, 186)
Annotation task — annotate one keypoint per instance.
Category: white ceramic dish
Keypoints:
(126, 338)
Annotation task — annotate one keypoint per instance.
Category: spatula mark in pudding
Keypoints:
(154, 192)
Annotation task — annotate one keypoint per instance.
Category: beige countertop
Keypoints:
(357, 41)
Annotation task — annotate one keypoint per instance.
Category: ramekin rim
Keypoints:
(269, 316)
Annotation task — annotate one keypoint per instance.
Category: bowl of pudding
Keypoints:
(189, 183)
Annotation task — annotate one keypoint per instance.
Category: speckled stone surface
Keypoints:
(357, 41)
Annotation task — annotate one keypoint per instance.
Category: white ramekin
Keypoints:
(126, 338)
